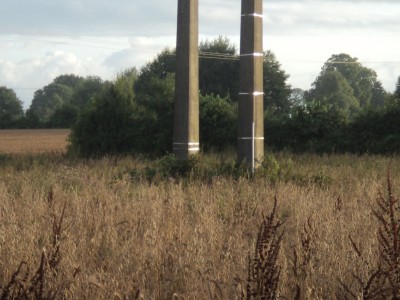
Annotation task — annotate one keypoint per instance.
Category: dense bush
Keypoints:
(218, 123)
(321, 129)
(105, 127)
(376, 131)
(64, 117)
(10, 108)
(312, 128)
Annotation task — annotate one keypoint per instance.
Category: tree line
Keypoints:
(345, 110)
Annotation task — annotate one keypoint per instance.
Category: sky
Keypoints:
(42, 39)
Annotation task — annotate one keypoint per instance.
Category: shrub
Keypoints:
(106, 127)
(218, 122)
(171, 166)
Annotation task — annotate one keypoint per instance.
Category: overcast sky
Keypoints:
(41, 39)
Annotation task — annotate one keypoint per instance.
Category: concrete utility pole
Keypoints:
(251, 95)
(186, 114)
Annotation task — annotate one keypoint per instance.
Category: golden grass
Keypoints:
(33, 140)
(191, 239)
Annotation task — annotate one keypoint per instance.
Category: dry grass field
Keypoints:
(33, 140)
(87, 230)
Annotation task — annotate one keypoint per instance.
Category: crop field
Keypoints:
(122, 228)
(33, 140)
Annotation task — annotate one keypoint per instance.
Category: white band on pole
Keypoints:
(250, 138)
(254, 94)
(189, 149)
(257, 54)
(253, 15)
(190, 144)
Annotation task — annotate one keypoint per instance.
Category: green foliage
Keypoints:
(64, 116)
(31, 120)
(53, 96)
(322, 129)
(167, 167)
(153, 116)
(10, 108)
(202, 168)
(376, 131)
(70, 80)
(297, 97)
(321, 179)
(155, 93)
(63, 98)
(346, 110)
(277, 92)
(85, 91)
(397, 91)
(360, 78)
(345, 83)
(270, 168)
(163, 65)
(171, 166)
(316, 127)
(122, 120)
(218, 123)
(332, 89)
(219, 76)
(379, 95)
(106, 126)
(125, 82)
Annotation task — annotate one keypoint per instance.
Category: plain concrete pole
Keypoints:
(186, 106)
(251, 95)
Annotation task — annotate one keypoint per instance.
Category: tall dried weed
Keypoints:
(170, 238)
(44, 282)
(263, 269)
(383, 279)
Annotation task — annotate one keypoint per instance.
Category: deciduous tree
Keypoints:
(276, 90)
(10, 107)
(47, 100)
(105, 127)
(86, 90)
(344, 79)
(219, 68)
(397, 91)
(218, 119)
